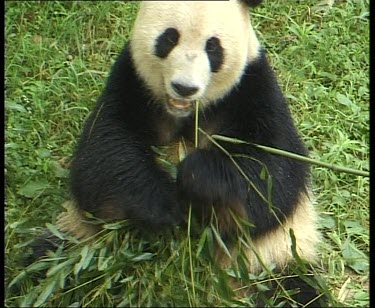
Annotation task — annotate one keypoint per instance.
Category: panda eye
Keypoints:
(212, 44)
(215, 53)
(166, 42)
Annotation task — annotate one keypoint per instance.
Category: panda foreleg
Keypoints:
(115, 176)
(208, 178)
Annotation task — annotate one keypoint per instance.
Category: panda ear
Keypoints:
(252, 3)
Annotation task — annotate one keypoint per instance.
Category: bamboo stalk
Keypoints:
(294, 156)
(196, 123)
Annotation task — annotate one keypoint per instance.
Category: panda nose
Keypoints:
(183, 90)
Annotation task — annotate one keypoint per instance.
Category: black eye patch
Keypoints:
(166, 42)
(215, 53)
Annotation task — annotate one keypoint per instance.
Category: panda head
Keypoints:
(186, 51)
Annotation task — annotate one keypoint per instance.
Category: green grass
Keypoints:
(58, 55)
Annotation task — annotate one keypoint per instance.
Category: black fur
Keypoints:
(40, 245)
(215, 53)
(183, 90)
(114, 168)
(166, 42)
(252, 3)
(302, 293)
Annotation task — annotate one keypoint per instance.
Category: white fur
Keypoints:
(274, 248)
(188, 63)
(74, 223)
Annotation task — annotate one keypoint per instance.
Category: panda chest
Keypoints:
(177, 140)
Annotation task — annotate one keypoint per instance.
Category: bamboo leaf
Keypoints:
(220, 241)
(46, 293)
(35, 267)
(143, 257)
(55, 231)
(201, 242)
(355, 258)
(294, 251)
(53, 270)
(84, 254)
(29, 299)
(88, 259)
(243, 269)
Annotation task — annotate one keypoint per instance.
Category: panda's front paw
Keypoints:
(154, 209)
(164, 212)
(206, 178)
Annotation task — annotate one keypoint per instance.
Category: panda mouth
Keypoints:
(180, 104)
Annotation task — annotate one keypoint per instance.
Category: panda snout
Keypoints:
(181, 97)
(184, 90)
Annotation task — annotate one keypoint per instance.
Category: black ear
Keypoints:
(252, 3)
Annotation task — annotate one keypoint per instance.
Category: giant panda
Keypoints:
(186, 59)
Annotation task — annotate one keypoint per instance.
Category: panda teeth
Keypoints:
(179, 104)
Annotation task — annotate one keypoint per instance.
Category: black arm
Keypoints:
(114, 173)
